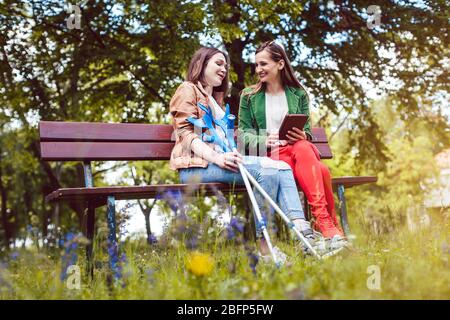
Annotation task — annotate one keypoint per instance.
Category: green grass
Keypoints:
(412, 266)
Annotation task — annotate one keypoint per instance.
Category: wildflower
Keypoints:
(123, 258)
(236, 224)
(234, 228)
(191, 242)
(252, 257)
(70, 256)
(14, 255)
(182, 224)
(152, 239)
(115, 265)
(199, 264)
(230, 233)
(186, 230)
(174, 198)
(253, 261)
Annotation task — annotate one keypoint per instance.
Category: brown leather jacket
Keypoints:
(182, 106)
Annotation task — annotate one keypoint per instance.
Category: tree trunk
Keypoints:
(234, 48)
(4, 199)
(147, 227)
(45, 217)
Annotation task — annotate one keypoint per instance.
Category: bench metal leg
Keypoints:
(306, 207)
(90, 227)
(343, 208)
(90, 218)
(113, 251)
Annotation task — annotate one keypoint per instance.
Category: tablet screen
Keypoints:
(291, 121)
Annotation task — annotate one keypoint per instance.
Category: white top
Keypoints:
(276, 110)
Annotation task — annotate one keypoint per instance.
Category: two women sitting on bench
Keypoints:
(198, 161)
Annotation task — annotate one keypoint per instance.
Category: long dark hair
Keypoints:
(288, 77)
(198, 64)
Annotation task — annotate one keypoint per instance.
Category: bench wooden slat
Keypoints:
(349, 182)
(325, 150)
(121, 132)
(138, 192)
(319, 135)
(104, 151)
(104, 132)
(120, 151)
(145, 192)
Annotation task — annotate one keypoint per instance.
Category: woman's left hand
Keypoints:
(295, 135)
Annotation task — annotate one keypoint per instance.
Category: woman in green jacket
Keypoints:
(262, 109)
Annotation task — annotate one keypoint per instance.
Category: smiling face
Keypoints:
(267, 69)
(215, 70)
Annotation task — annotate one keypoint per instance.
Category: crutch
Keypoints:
(207, 123)
(227, 125)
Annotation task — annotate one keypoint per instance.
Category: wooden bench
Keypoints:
(87, 142)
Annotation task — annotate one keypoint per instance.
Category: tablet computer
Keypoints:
(292, 121)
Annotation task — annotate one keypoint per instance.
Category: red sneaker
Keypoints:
(336, 222)
(326, 226)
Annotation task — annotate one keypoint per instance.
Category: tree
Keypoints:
(407, 179)
(117, 67)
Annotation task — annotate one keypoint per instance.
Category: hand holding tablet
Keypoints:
(291, 121)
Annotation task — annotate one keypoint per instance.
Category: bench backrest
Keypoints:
(90, 141)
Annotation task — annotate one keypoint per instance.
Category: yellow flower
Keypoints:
(199, 264)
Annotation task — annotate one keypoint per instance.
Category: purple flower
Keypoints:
(191, 242)
(230, 233)
(234, 229)
(152, 239)
(174, 198)
(123, 258)
(236, 224)
(14, 255)
(70, 256)
(70, 236)
(115, 265)
(253, 260)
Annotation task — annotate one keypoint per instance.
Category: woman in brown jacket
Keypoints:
(199, 161)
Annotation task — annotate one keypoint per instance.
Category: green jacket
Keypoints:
(252, 114)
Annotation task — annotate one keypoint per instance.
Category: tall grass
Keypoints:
(412, 265)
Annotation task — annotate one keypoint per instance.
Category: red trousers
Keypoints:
(312, 176)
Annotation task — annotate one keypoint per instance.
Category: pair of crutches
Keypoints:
(227, 125)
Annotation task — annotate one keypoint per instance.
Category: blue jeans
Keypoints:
(279, 185)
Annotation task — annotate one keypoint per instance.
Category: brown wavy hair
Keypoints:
(197, 67)
(288, 78)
